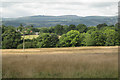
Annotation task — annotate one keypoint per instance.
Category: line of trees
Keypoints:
(61, 36)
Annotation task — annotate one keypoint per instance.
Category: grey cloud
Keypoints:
(103, 4)
(94, 4)
(67, 3)
(8, 4)
(25, 8)
(61, 8)
(17, 13)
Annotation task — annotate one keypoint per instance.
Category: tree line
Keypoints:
(61, 36)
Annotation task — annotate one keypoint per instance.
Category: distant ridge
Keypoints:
(47, 21)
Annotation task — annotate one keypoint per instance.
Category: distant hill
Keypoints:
(47, 21)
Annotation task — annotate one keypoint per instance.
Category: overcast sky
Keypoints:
(13, 8)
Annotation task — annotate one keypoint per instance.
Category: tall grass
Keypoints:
(76, 62)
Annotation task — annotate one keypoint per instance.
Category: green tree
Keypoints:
(111, 37)
(51, 29)
(20, 28)
(87, 40)
(3, 27)
(66, 28)
(44, 30)
(72, 27)
(59, 29)
(96, 38)
(10, 39)
(81, 28)
(99, 26)
(47, 40)
(91, 29)
(117, 27)
(72, 38)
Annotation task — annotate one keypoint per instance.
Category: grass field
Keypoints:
(30, 36)
(74, 62)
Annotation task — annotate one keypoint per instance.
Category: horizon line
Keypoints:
(63, 15)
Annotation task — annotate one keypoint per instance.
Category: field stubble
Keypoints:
(74, 62)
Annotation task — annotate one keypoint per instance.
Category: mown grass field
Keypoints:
(30, 36)
(74, 62)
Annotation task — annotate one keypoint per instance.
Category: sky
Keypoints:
(15, 8)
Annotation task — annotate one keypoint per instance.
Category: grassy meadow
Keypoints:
(73, 62)
(30, 36)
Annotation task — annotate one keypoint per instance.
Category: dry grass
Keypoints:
(75, 62)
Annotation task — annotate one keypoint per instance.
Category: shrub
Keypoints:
(27, 45)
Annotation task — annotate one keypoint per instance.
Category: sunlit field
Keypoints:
(30, 36)
(74, 62)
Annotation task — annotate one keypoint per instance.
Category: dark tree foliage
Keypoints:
(52, 30)
(44, 30)
(59, 29)
(95, 38)
(98, 38)
(72, 27)
(99, 26)
(111, 37)
(81, 28)
(10, 39)
(61, 36)
(66, 29)
(47, 40)
(0, 37)
(91, 29)
(20, 28)
(26, 45)
(117, 27)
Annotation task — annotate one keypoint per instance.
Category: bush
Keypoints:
(27, 45)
